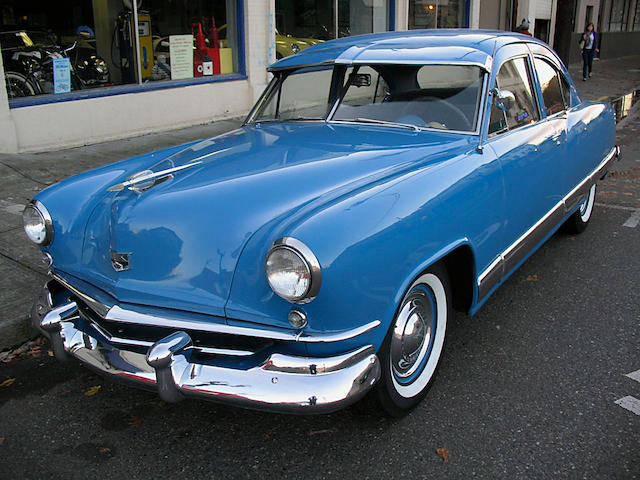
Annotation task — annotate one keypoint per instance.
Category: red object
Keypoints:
(213, 34)
(202, 51)
(199, 36)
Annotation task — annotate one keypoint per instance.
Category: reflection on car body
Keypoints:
(315, 255)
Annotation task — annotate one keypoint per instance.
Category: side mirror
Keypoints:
(504, 99)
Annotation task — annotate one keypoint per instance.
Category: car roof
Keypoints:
(461, 46)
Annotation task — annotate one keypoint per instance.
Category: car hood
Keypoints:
(184, 235)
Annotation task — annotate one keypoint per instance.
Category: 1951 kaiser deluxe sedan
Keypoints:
(316, 254)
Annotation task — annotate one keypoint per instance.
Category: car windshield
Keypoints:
(445, 97)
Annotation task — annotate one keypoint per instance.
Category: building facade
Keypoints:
(77, 72)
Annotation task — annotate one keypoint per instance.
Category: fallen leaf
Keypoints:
(104, 450)
(93, 390)
(1, 440)
(532, 278)
(50, 353)
(443, 453)
(7, 382)
(135, 421)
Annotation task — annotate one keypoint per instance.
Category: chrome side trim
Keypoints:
(98, 307)
(117, 314)
(519, 249)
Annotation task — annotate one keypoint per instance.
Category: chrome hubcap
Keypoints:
(412, 334)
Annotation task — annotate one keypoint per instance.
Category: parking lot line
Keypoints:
(632, 221)
(634, 375)
(629, 403)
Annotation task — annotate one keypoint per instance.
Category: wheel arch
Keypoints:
(459, 260)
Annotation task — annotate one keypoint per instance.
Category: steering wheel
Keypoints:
(455, 109)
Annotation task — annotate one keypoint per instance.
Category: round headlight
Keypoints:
(37, 223)
(293, 271)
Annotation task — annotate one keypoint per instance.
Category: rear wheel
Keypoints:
(410, 354)
(578, 222)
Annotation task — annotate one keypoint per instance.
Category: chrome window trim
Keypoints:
(534, 96)
(559, 73)
(518, 250)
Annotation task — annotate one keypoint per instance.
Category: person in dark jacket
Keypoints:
(589, 46)
(524, 27)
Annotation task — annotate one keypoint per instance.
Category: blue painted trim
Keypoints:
(467, 13)
(392, 15)
(477, 306)
(146, 87)
(242, 61)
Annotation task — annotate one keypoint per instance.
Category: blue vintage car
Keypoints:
(316, 254)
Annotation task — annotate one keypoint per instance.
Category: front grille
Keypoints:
(146, 333)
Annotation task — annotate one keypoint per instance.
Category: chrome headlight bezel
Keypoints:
(313, 266)
(45, 218)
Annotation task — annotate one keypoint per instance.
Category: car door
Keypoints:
(529, 154)
(555, 102)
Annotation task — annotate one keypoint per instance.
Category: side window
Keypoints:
(514, 77)
(555, 99)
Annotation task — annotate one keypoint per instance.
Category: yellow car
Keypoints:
(287, 45)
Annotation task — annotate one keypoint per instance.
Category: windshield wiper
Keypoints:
(375, 121)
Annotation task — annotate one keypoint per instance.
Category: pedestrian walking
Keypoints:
(589, 46)
(524, 27)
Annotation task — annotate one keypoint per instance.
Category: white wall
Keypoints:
(80, 122)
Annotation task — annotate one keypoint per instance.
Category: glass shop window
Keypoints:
(303, 23)
(436, 14)
(551, 86)
(51, 48)
(514, 77)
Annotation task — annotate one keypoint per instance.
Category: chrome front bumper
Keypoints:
(281, 383)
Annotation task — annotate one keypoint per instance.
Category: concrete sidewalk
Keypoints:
(23, 175)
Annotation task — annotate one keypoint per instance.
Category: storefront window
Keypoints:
(302, 23)
(51, 48)
(617, 20)
(436, 14)
(636, 17)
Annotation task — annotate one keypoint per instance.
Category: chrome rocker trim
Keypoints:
(281, 383)
(517, 251)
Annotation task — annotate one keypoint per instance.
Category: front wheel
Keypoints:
(411, 352)
(579, 221)
(18, 85)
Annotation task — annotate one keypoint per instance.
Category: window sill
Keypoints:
(120, 90)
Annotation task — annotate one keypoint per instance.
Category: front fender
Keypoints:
(373, 243)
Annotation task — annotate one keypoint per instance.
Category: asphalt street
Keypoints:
(527, 389)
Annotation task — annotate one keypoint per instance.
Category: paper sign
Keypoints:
(61, 75)
(181, 52)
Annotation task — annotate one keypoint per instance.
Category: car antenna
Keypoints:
(480, 148)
